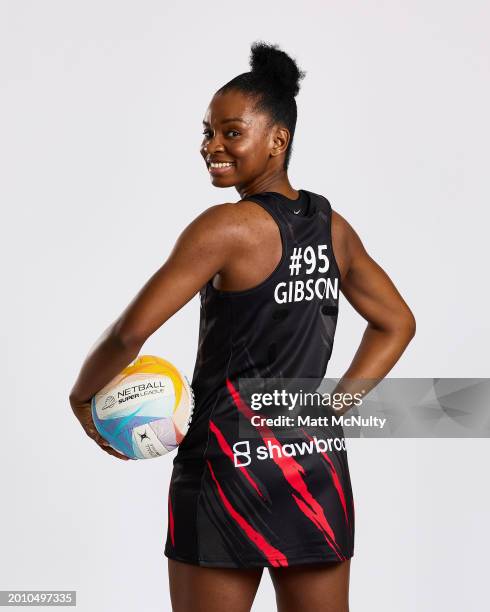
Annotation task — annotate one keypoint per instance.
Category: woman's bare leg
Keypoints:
(320, 587)
(209, 589)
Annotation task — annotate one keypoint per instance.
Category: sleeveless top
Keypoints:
(284, 510)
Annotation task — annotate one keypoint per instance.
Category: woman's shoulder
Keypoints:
(228, 214)
(347, 243)
(239, 223)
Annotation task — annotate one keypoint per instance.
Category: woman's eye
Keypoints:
(206, 132)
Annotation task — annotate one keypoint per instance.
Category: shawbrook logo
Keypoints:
(242, 454)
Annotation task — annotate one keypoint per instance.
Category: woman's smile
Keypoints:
(218, 168)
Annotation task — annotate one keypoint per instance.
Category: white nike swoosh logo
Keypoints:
(297, 211)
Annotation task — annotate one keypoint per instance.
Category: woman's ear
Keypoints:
(280, 140)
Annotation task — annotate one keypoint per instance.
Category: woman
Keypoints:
(268, 269)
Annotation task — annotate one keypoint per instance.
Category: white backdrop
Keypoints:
(101, 105)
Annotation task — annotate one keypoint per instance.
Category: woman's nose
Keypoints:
(213, 144)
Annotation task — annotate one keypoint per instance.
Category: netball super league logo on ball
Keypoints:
(146, 410)
(307, 261)
(109, 402)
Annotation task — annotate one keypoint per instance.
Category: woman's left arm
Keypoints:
(390, 325)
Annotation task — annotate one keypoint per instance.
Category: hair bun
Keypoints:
(268, 62)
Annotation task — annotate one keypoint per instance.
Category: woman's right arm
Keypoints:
(202, 250)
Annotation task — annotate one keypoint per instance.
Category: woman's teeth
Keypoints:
(221, 164)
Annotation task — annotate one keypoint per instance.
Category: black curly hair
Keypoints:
(274, 82)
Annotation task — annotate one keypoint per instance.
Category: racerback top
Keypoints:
(245, 495)
(283, 327)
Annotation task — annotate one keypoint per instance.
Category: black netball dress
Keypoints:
(244, 493)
